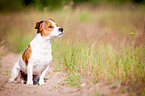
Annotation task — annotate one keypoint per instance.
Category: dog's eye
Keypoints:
(50, 27)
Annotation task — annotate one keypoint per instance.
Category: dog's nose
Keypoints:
(60, 29)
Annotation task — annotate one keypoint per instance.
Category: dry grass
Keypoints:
(97, 44)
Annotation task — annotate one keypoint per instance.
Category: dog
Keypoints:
(34, 61)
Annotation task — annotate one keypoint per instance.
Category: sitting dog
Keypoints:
(35, 60)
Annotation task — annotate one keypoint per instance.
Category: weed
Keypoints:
(7, 71)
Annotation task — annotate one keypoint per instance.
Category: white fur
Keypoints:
(40, 58)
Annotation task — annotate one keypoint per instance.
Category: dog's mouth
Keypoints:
(61, 34)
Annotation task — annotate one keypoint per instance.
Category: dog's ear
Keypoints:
(38, 25)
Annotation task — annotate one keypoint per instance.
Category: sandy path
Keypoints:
(56, 85)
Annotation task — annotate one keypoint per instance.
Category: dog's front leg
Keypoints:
(30, 74)
(41, 81)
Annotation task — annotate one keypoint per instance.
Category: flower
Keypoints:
(132, 33)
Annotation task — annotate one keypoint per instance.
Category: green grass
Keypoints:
(99, 62)
(96, 46)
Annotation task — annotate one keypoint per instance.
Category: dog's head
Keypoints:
(49, 28)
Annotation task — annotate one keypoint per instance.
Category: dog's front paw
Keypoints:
(41, 82)
(11, 80)
(29, 82)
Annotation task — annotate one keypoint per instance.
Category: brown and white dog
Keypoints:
(35, 60)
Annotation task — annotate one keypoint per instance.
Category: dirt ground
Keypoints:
(55, 85)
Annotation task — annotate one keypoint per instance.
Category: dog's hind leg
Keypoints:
(15, 72)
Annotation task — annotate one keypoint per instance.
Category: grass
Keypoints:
(93, 63)
(97, 45)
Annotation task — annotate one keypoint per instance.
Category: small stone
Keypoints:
(83, 84)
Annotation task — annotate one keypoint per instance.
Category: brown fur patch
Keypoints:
(26, 55)
(45, 30)
(38, 25)
(43, 27)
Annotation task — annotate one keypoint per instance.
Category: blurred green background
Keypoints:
(17, 5)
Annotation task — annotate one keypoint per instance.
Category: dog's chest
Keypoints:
(40, 62)
(40, 59)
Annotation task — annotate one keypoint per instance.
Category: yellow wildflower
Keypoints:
(132, 33)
